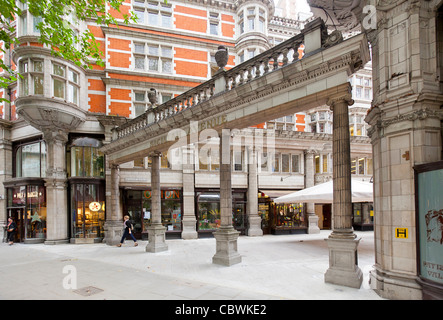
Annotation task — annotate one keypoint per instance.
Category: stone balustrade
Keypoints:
(313, 36)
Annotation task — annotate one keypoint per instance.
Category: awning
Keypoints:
(323, 193)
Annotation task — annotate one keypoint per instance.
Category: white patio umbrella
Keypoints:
(323, 193)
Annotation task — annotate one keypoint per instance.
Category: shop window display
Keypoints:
(36, 213)
(87, 188)
(87, 210)
(27, 206)
(208, 211)
(289, 215)
(281, 218)
(137, 204)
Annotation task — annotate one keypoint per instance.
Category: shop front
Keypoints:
(86, 181)
(87, 200)
(27, 206)
(137, 205)
(208, 211)
(281, 218)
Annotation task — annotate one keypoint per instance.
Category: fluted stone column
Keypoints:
(226, 236)
(114, 223)
(56, 188)
(189, 221)
(310, 182)
(156, 231)
(254, 220)
(342, 243)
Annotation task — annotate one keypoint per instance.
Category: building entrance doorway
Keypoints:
(327, 216)
(18, 215)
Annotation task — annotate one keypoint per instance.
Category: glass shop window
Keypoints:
(85, 158)
(30, 160)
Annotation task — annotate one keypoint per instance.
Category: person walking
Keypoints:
(11, 229)
(128, 230)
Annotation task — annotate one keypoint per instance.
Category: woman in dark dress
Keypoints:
(11, 228)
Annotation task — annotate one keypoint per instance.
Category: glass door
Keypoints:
(18, 215)
(239, 217)
(87, 210)
(77, 211)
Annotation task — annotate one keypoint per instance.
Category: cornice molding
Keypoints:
(374, 118)
(140, 32)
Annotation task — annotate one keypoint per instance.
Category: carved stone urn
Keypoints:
(152, 96)
(221, 57)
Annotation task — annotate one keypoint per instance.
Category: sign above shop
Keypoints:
(165, 194)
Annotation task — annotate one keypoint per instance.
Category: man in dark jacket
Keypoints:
(11, 229)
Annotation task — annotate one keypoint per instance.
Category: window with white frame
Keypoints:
(140, 101)
(285, 158)
(241, 56)
(295, 163)
(362, 87)
(264, 161)
(356, 125)
(361, 166)
(209, 158)
(251, 18)
(153, 13)
(261, 20)
(238, 160)
(152, 57)
(214, 23)
(27, 22)
(65, 83)
(276, 163)
(58, 81)
(322, 164)
(285, 163)
(241, 23)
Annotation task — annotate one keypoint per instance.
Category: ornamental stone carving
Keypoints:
(338, 14)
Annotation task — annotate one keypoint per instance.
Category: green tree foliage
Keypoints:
(56, 20)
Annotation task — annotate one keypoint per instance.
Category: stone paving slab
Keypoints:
(272, 268)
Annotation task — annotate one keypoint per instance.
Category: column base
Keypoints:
(113, 232)
(394, 285)
(55, 242)
(156, 238)
(343, 266)
(254, 229)
(226, 247)
(189, 232)
(313, 224)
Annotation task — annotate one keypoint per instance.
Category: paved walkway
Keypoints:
(272, 267)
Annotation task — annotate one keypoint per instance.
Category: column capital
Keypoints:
(155, 154)
(114, 166)
(55, 135)
(311, 151)
(345, 97)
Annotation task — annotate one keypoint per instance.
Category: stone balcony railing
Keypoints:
(313, 37)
